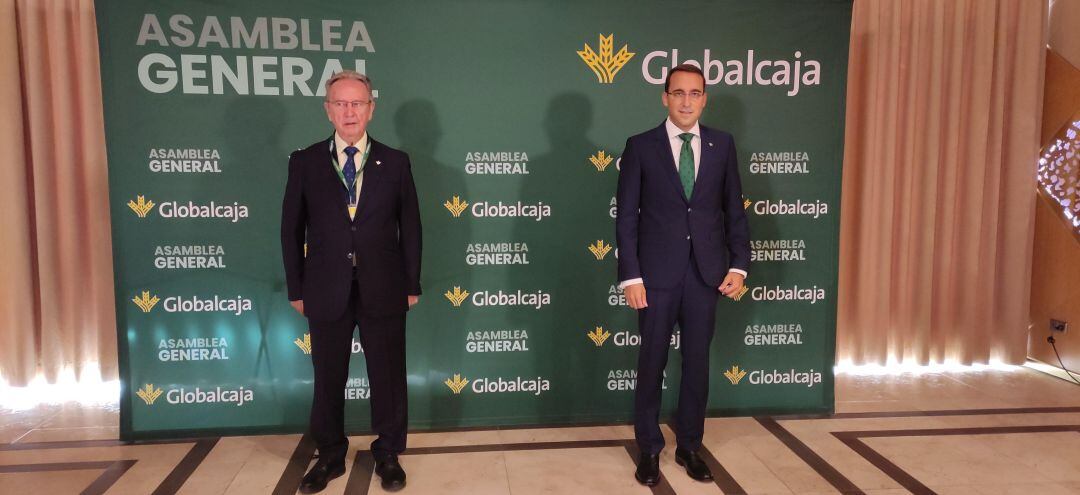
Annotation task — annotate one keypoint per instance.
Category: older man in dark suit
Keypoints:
(683, 237)
(352, 200)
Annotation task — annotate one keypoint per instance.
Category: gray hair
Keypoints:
(347, 74)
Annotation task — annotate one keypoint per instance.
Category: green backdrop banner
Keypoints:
(514, 114)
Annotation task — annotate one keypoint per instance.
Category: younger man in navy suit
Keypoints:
(683, 237)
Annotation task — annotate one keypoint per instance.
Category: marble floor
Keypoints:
(986, 432)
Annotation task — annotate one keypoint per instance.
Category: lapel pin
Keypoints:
(710, 144)
(378, 162)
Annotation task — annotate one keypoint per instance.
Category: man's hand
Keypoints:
(413, 300)
(635, 296)
(298, 305)
(732, 285)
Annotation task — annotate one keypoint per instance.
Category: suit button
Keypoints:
(353, 228)
(688, 210)
(350, 254)
(688, 238)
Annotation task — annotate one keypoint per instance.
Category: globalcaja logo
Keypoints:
(498, 385)
(457, 296)
(497, 209)
(218, 395)
(774, 377)
(304, 344)
(607, 63)
(746, 202)
(601, 160)
(626, 338)
(149, 393)
(237, 305)
(599, 336)
(599, 249)
(795, 293)
(742, 292)
(145, 302)
(179, 210)
(735, 375)
(791, 74)
(811, 208)
(456, 206)
(141, 206)
(456, 383)
(536, 299)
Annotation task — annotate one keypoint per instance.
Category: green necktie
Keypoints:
(686, 164)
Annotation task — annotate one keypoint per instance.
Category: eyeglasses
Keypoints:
(355, 104)
(694, 95)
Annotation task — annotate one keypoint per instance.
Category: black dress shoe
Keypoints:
(648, 469)
(393, 476)
(321, 474)
(695, 467)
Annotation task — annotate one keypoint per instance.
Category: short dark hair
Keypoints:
(684, 68)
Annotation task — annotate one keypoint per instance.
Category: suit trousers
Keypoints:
(692, 304)
(383, 340)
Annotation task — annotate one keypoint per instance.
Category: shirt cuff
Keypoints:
(627, 283)
(740, 272)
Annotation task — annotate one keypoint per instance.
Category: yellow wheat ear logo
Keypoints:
(607, 63)
(141, 206)
(457, 383)
(149, 394)
(145, 302)
(457, 296)
(599, 336)
(745, 203)
(304, 344)
(599, 249)
(456, 206)
(738, 297)
(735, 375)
(601, 160)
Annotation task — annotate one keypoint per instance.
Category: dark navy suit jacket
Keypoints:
(657, 225)
(384, 236)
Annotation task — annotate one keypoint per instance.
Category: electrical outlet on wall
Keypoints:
(1058, 326)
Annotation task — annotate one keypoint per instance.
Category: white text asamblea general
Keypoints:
(199, 72)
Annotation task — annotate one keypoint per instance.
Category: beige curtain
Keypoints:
(942, 136)
(56, 286)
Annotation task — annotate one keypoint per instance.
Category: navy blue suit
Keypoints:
(682, 248)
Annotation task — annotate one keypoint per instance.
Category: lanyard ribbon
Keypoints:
(349, 188)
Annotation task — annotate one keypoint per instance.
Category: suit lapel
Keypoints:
(373, 171)
(667, 161)
(709, 164)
